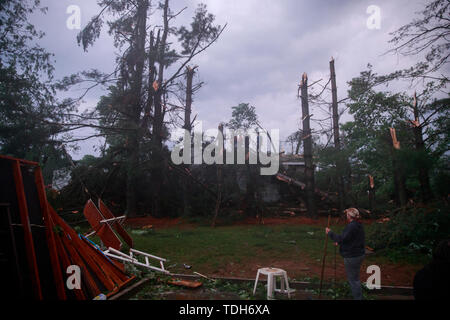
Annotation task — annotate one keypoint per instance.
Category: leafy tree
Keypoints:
(243, 120)
(426, 35)
(202, 31)
(435, 120)
(422, 129)
(434, 158)
(295, 139)
(426, 39)
(368, 136)
(243, 117)
(30, 116)
(133, 115)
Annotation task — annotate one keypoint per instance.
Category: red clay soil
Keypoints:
(301, 267)
(162, 223)
(301, 220)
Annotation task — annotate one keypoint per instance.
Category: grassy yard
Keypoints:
(209, 249)
(238, 251)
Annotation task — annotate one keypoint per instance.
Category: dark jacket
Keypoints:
(351, 241)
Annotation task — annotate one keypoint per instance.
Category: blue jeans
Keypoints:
(352, 268)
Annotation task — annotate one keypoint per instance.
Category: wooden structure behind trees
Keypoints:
(307, 147)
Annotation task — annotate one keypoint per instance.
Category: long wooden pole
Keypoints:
(323, 259)
(334, 286)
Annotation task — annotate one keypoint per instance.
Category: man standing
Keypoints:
(352, 249)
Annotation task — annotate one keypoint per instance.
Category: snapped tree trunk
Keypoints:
(307, 149)
(187, 126)
(399, 177)
(136, 63)
(337, 142)
(219, 184)
(158, 160)
(158, 118)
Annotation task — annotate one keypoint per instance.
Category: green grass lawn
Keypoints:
(208, 250)
(205, 248)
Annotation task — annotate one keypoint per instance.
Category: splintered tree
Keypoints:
(219, 181)
(307, 147)
(372, 142)
(399, 175)
(337, 140)
(190, 72)
(142, 94)
(136, 72)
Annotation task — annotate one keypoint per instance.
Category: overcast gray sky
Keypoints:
(260, 57)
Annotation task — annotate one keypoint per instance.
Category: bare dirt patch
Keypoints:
(304, 267)
(161, 223)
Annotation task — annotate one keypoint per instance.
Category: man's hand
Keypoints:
(327, 230)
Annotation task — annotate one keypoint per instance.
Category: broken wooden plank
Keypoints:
(104, 210)
(103, 230)
(297, 183)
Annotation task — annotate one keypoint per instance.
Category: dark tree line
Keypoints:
(396, 147)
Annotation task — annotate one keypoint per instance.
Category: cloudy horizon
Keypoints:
(260, 57)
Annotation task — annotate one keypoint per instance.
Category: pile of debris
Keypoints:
(42, 256)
